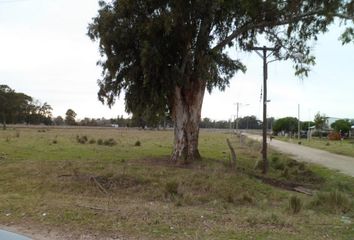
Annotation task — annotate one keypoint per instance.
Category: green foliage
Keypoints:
(342, 125)
(137, 143)
(287, 124)
(19, 108)
(295, 204)
(320, 121)
(149, 48)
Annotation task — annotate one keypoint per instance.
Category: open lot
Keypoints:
(56, 183)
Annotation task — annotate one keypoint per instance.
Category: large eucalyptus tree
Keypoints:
(164, 54)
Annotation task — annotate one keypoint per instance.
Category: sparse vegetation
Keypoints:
(87, 186)
(333, 201)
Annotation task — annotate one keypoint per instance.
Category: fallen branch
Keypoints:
(290, 186)
(98, 208)
(99, 186)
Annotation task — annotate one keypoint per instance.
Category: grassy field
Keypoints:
(345, 147)
(69, 181)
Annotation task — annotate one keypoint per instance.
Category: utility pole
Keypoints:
(237, 109)
(298, 123)
(264, 56)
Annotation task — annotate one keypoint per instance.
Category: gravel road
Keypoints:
(341, 163)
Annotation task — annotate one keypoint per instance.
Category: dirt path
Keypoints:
(341, 163)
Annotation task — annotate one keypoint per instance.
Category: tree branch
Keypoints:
(249, 26)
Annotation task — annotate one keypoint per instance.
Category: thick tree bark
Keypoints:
(187, 106)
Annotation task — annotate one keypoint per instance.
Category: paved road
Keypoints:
(5, 235)
(302, 153)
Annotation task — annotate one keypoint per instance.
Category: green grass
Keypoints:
(132, 191)
(345, 147)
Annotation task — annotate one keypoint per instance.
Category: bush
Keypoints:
(137, 144)
(92, 141)
(100, 141)
(295, 204)
(55, 141)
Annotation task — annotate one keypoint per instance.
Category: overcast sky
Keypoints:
(45, 53)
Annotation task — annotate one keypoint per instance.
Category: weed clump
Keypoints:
(171, 188)
(100, 141)
(3, 156)
(92, 141)
(17, 134)
(334, 201)
(246, 198)
(110, 142)
(137, 144)
(295, 204)
(55, 141)
(81, 139)
(276, 163)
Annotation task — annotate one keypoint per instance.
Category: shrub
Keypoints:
(92, 141)
(295, 204)
(17, 134)
(55, 141)
(100, 141)
(137, 143)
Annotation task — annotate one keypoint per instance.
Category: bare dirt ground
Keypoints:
(341, 163)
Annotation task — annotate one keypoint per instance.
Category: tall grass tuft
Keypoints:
(295, 204)
(334, 201)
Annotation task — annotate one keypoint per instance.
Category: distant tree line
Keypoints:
(247, 122)
(18, 107)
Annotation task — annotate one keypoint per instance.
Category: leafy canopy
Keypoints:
(149, 47)
(342, 125)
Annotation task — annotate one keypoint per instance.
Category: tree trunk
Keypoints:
(3, 121)
(186, 112)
